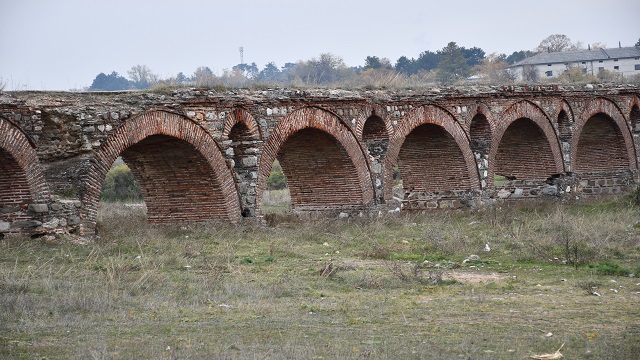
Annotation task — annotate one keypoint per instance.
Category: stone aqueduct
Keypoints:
(203, 155)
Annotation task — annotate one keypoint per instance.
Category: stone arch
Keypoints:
(520, 153)
(311, 133)
(601, 109)
(434, 123)
(160, 147)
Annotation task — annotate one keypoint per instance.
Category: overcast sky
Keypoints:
(64, 44)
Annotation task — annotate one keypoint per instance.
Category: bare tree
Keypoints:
(557, 43)
(494, 69)
(530, 73)
(142, 76)
(326, 69)
(204, 77)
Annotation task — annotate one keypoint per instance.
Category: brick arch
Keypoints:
(374, 129)
(240, 115)
(481, 109)
(595, 109)
(634, 114)
(565, 118)
(305, 123)
(566, 107)
(143, 140)
(367, 113)
(21, 176)
(480, 133)
(546, 139)
(444, 126)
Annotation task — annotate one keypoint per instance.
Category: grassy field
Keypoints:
(396, 287)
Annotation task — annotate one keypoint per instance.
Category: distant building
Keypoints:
(625, 60)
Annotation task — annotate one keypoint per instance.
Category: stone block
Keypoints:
(9, 209)
(38, 208)
(26, 224)
(73, 220)
(550, 190)
(53, 223)
(504, 193)
(249, 161)
(4, 226)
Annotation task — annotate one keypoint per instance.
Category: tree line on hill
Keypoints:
(449, 65)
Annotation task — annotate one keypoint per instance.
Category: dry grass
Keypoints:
(330, 289)
(276, 201)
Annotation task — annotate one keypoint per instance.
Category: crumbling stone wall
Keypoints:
(201, 155)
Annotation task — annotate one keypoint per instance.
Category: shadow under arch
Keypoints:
(602, 139)
(313, 132)
(435, 122)
(153, 140)
(536, 120)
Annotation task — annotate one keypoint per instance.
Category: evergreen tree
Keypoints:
(428, 60)
(518, 56)
(269, 73)
(453, 65)
(111, 82)
(372, 62)
(405, 66)
(473, 55)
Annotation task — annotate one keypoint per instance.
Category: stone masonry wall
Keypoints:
(201, 154)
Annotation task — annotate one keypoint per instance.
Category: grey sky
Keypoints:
(64, 44)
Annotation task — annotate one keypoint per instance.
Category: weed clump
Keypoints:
(608, 267)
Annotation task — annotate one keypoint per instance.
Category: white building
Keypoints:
(625, 60)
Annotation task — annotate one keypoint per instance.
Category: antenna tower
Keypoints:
(241, 55)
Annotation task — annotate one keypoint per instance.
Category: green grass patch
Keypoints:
(608, 267)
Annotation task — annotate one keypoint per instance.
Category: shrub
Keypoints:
(277, 180)
(608, 267)
(120, 185)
